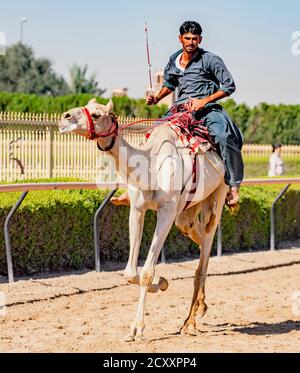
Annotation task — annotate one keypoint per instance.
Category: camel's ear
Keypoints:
(92, 101)
(109, 107)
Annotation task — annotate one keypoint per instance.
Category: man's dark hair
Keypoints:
(192, 27)
(275, 146)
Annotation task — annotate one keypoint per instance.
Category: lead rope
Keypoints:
(164, 121)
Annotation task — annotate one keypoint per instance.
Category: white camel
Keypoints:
(155, 189)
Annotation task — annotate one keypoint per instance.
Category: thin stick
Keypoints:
(148, 58)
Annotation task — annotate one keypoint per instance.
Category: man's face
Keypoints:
(190, 42)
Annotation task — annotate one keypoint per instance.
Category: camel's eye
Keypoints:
(95, 116)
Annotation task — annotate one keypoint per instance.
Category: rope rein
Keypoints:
(115, 129)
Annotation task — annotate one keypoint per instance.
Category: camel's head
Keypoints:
(88, 121)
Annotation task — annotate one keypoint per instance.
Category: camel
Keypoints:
(160, 186)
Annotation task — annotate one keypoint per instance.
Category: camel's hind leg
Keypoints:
(188, 222)
(202, 231)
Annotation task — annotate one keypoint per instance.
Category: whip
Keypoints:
(148, 58)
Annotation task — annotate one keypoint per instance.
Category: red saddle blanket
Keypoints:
(191, 132)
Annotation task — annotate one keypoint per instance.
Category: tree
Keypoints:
(81, 84)
(20, 71)
(239, 113)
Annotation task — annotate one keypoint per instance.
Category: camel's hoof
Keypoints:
(132, 334)
(163, 284)
(137, 338)
(153, 289)
(129, 338)
(140, 338)
(188, 329)
(120, 201)
(132, 279)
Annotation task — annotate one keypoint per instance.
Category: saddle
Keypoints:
(194, 136)
(192, 133)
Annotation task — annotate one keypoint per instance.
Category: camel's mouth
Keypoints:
(66, 128)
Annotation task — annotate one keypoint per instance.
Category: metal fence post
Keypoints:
(272, 223)
(97, 229)
(10, 270)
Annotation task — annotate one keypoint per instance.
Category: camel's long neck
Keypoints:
(131, 163)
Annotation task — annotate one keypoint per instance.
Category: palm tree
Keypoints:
(81, 84)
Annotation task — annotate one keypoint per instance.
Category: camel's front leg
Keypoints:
(136, 226)
(165, 218)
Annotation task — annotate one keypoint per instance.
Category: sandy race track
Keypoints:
(249, 297)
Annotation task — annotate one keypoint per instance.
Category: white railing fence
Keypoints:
(32, 148)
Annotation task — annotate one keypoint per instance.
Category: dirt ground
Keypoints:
(249, 297)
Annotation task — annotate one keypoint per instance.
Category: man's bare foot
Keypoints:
(123, 200)
(233, 196)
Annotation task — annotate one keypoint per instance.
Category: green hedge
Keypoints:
(52, 231)
(262, 124)
(123, 106)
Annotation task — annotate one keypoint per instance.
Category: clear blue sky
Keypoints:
(252, 37)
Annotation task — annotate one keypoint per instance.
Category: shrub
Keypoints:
(123, 106)
(53, 230)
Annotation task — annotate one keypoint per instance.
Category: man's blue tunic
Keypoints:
(204, 75)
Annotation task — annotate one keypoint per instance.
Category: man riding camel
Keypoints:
(201, 78)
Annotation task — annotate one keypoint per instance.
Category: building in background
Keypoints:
(158, 82)
(120, 92)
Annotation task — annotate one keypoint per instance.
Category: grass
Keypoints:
(259, 166)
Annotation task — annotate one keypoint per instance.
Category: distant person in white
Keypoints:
(276, 162)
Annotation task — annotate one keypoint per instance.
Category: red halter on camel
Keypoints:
(92, 135)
